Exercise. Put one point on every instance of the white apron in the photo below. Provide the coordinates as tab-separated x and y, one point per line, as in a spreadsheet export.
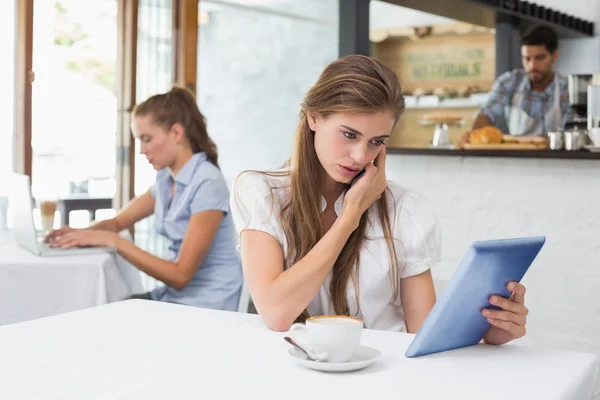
520	123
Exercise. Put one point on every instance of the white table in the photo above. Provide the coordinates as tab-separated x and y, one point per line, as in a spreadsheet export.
140	349
33	287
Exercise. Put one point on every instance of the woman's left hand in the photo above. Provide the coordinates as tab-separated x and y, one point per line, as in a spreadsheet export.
509	322
85	237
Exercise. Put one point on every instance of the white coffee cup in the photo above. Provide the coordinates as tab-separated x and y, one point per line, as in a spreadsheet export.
336	337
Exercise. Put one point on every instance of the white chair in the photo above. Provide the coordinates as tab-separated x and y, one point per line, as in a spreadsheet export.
244	302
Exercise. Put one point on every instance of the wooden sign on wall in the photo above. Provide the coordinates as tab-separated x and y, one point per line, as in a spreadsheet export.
445	61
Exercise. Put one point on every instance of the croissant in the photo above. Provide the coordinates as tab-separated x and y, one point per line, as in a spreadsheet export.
486	135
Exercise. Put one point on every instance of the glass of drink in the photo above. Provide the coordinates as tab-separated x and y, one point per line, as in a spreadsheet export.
47	208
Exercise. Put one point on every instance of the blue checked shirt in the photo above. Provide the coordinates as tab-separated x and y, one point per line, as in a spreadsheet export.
535	104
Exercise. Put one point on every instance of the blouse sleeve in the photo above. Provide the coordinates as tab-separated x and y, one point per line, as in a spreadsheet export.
253	205
418	235
211	194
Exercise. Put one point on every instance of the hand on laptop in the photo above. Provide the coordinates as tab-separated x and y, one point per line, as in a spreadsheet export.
509	323
56	233
85	237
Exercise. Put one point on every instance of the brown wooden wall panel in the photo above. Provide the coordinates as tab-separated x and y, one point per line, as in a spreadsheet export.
443	61
25	77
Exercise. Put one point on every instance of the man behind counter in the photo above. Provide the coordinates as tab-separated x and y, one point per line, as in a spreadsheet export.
532	101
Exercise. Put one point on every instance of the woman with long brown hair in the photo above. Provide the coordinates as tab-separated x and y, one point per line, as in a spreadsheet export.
317	238
190	201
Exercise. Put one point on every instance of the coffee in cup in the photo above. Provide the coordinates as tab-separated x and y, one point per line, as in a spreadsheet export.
47	211
336	336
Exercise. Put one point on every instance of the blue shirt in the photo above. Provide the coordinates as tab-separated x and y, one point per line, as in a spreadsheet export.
536	104
199	186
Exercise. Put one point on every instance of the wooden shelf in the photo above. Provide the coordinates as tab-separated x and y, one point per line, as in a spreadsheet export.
434	102
567	155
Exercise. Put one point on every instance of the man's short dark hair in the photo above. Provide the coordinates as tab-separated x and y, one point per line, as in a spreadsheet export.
540	35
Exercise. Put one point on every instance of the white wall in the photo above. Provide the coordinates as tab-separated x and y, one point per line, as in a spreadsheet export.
254	68
486	198
579	56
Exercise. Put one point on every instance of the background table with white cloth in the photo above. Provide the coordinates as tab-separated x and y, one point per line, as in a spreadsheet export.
139	349
34	287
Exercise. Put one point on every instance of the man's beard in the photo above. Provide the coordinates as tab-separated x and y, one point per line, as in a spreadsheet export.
539	76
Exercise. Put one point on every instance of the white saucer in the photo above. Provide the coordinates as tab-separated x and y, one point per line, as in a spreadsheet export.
362	357
592	148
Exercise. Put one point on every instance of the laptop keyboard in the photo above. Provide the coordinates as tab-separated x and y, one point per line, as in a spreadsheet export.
45	247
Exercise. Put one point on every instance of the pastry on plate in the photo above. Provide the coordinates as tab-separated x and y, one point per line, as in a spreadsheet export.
464	91
440	92
486	135
419	92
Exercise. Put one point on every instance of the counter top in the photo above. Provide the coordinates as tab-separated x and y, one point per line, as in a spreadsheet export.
570	155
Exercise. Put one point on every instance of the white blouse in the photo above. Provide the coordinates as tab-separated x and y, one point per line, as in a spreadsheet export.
255	202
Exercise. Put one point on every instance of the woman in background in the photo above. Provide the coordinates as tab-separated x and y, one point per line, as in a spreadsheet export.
190	201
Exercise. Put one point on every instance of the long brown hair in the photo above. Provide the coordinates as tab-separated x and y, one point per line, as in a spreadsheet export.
178	106
355	84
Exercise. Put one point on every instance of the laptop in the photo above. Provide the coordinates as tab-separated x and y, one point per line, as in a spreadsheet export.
21	204
455	320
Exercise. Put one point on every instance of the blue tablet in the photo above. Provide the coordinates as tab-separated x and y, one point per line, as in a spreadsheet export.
456	321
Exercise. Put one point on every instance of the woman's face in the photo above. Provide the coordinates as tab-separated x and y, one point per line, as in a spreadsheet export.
156	143
346	142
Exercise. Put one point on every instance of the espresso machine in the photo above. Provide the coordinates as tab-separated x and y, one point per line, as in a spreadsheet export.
593	108
578	101
593	126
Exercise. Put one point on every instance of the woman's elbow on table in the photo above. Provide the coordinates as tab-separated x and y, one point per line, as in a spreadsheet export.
276	318
277	325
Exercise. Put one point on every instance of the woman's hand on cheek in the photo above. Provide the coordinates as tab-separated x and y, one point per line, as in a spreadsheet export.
368	188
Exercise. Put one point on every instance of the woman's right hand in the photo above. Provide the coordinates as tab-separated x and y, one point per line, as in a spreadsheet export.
368	188
57	232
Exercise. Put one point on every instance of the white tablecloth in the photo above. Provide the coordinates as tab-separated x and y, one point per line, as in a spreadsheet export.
150	350
33	287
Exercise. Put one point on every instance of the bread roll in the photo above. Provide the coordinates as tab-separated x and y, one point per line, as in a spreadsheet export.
486	135
440	92
419	92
